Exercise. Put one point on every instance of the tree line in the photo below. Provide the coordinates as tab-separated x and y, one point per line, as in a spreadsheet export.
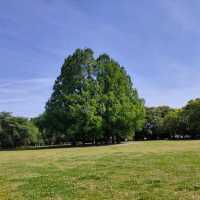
94	101
18	131
164	122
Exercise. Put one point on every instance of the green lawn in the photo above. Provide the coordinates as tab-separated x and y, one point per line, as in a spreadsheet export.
141	170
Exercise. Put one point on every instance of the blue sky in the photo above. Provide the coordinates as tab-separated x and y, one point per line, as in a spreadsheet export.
157	41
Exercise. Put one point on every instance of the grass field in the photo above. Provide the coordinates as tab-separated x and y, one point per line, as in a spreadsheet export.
141	170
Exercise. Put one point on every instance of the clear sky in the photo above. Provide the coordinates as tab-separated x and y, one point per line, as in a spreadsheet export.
157	41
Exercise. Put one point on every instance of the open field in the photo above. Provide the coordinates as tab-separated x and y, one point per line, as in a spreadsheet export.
141	170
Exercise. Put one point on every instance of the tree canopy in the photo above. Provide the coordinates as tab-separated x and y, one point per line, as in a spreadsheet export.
93	100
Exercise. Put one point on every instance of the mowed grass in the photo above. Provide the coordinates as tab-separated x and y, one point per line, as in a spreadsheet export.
139	171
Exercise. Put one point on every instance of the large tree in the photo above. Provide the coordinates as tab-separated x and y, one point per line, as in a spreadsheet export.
93	100
123	110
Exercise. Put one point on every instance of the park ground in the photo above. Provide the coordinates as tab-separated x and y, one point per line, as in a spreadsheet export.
168	170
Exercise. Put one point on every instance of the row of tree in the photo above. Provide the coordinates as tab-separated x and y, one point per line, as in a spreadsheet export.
94	101
17	131
160	122
167	123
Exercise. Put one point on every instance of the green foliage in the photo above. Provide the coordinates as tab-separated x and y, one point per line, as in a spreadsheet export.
17	131
154	123
92	100
168	123
191	114
174	124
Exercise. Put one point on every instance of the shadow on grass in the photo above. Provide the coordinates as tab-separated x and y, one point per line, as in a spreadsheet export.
25	148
